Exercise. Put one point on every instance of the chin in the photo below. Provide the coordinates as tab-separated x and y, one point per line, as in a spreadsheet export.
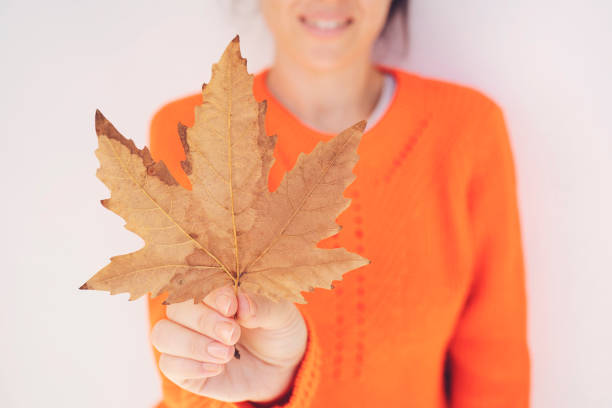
323	57
321	64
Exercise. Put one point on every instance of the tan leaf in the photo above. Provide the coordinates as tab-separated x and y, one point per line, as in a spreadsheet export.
229	228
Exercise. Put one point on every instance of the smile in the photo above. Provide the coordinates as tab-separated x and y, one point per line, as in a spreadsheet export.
325	26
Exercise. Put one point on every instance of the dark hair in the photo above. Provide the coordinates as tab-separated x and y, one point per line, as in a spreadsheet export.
397	9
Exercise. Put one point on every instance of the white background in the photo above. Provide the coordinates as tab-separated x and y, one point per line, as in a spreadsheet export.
547	63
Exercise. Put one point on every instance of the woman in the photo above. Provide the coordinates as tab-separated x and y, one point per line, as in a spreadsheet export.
438	318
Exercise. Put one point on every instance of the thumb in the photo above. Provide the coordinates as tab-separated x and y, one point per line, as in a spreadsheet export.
256	311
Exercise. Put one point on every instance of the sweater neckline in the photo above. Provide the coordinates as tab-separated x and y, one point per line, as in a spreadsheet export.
379	143
382	105
317	134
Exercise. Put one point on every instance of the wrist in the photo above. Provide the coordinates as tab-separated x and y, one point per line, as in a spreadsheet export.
286	381
282	374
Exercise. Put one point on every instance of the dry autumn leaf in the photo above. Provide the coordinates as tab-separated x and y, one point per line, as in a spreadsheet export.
229	228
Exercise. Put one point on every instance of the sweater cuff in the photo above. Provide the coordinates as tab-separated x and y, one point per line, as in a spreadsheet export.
307	375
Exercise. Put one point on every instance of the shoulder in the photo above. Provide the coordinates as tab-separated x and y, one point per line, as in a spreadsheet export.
182	108
446	100
458	112
176	110
462	122
164	140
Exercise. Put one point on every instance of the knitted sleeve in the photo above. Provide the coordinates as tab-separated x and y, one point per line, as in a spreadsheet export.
488	353
165	145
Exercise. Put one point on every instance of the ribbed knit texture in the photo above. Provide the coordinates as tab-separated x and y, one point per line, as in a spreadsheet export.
434	207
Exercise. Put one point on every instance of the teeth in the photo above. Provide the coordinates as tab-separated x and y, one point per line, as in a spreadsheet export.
325	24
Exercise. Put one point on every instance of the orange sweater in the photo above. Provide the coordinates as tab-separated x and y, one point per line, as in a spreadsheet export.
438	319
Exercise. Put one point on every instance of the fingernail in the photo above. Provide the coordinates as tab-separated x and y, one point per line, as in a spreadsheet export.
246	305
226	331
218	350
223	303
211	367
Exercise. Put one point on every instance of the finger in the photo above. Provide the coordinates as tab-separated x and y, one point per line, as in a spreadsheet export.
172	338
223	300
182	368
205	320
258	311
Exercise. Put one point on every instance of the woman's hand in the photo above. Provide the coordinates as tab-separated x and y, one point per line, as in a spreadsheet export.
197	345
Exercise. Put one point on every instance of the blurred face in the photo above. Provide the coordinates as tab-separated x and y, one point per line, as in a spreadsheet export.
323	34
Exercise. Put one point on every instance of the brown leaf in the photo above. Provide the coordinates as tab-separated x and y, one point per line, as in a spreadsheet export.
229	228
